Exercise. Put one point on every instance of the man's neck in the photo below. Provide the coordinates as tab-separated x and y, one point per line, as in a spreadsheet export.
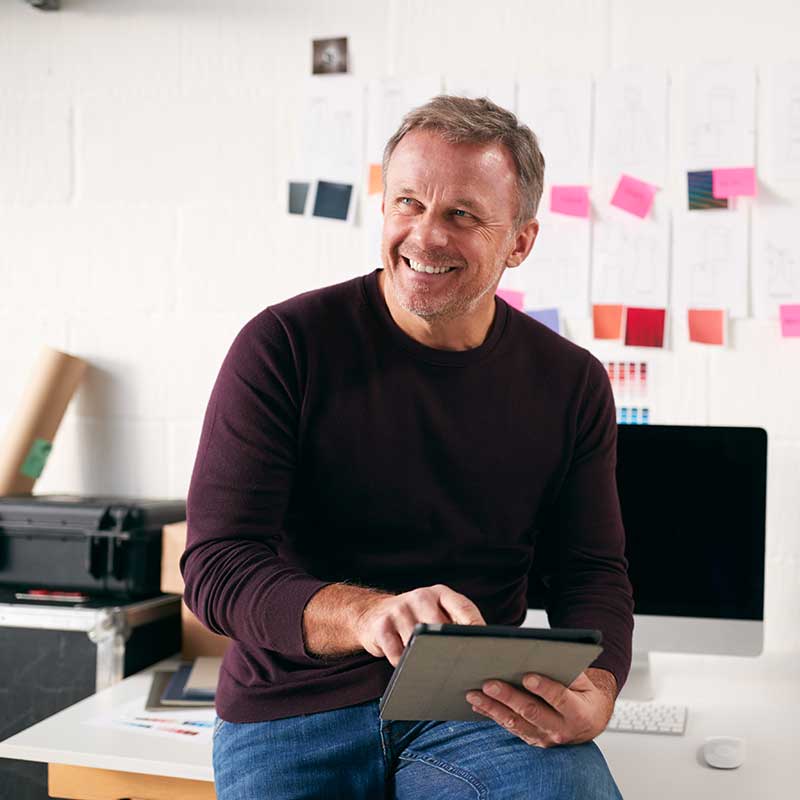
457	333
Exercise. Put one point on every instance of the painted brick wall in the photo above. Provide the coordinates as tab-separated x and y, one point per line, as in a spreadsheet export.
143	158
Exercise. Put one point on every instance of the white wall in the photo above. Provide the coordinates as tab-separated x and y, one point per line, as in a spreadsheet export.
143	160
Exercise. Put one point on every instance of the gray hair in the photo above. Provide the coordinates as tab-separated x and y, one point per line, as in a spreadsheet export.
461	120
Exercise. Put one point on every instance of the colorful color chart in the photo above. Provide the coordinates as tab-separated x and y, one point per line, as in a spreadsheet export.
701	195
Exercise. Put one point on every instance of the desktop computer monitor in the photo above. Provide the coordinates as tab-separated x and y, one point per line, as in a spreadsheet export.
693	503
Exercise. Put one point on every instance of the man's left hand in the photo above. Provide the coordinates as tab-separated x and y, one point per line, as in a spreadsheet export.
549	713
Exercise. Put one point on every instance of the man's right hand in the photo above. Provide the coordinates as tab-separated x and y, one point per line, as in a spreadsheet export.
385	625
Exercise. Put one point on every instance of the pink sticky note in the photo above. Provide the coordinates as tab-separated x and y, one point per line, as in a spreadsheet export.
634	196
570	200
735	182
790	320
512	297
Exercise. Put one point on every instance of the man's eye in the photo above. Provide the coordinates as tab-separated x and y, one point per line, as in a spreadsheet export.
459	212
405	201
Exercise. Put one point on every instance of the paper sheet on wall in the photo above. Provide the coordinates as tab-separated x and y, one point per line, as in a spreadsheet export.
720	116
373	229
782	125
499	90
776	260
332	133
559	112
710	261
630	263
631	125
556	273
388	100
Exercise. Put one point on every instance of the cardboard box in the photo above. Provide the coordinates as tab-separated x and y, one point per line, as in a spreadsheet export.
196	639
173	543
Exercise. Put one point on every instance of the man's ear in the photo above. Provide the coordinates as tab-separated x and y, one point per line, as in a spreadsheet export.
523	242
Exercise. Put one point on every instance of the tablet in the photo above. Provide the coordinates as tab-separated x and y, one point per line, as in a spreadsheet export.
441	663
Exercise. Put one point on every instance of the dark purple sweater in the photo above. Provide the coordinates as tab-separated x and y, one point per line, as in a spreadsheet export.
336	448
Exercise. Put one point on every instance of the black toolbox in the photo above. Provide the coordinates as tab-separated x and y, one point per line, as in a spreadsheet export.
54	653
96	545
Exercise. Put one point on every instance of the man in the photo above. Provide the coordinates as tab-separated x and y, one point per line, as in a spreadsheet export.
388	451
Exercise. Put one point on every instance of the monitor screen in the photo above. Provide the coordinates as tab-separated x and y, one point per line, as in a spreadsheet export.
693	503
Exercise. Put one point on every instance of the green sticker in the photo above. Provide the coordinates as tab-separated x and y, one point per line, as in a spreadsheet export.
36	459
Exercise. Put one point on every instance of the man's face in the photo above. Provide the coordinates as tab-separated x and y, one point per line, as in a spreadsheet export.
448	206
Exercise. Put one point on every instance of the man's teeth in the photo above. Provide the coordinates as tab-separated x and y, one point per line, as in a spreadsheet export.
417	267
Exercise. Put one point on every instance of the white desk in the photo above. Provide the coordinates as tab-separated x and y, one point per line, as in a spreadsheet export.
758	699
123	764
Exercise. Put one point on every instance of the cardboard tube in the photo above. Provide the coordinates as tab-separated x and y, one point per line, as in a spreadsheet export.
30	435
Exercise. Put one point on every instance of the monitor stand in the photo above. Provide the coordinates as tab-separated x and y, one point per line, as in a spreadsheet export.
639	685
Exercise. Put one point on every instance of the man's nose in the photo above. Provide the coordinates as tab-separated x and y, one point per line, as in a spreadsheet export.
429	232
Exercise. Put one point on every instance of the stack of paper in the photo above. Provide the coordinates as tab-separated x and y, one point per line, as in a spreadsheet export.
193	684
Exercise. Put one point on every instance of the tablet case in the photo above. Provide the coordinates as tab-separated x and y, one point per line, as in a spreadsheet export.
438	668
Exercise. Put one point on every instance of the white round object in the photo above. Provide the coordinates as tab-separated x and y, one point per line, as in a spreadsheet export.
724	752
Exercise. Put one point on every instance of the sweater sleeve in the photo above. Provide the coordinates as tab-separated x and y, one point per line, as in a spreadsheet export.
588	586
236	581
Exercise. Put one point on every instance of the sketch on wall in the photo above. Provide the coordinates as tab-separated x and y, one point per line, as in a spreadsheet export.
332	128
630	262
710	261
631	125
782	136
720	116
776	260
559	111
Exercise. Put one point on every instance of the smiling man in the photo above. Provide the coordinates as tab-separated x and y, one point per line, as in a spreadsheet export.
392	450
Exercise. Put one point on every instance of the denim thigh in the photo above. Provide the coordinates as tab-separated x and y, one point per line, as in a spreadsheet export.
455	760
331	754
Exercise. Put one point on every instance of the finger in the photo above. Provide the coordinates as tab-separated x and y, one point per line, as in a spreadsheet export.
508	719
392	646
526	705
552	692
461	609
389	641
427	609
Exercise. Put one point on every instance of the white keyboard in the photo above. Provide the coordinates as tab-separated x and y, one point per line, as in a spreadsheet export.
632	716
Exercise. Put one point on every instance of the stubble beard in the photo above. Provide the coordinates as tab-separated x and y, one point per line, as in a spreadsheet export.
451	305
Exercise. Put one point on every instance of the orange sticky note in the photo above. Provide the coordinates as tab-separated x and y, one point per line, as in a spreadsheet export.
707	325
735	182
375	180
514	298
644	327
790	320
634	196
608	321
570	200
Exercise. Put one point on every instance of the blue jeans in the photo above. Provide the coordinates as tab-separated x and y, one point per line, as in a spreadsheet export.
350	753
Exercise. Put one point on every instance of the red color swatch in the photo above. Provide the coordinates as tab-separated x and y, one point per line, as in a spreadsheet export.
707	326
645	327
